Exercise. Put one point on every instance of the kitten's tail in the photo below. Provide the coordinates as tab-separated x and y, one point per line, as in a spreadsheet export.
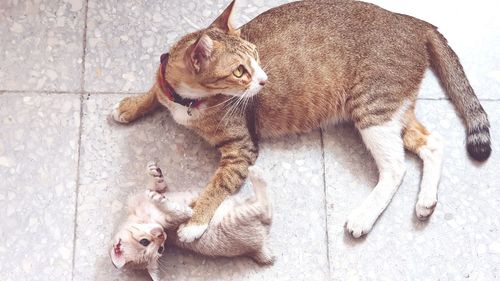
259	185
447	66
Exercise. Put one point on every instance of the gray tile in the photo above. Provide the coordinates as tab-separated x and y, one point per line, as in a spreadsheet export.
41	47
38	167
461	239
112	166
126	38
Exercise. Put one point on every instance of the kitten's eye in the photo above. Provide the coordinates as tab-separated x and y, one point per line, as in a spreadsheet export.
144	242
238	72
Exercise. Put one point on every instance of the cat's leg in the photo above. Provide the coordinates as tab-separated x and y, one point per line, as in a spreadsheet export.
259	186
177	211
385	143
264	256
131	108
238	152
429	147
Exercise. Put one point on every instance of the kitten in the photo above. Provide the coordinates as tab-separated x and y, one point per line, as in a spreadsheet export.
239	227
326	61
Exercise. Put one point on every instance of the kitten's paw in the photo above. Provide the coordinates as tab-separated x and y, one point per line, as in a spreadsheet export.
264	257
120	114
256	175
155	196
425	207
155	172
189	233
359	222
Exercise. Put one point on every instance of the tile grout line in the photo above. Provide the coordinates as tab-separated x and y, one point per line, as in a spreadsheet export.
82	93
325	201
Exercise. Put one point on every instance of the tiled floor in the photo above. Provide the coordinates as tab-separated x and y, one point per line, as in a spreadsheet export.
66	170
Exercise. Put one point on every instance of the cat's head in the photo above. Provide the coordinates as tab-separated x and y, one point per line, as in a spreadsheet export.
215	60
137	245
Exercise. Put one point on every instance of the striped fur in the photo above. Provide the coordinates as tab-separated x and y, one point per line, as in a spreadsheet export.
326	61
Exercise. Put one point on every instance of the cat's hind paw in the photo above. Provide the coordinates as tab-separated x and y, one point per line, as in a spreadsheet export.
359	222
189	233
156	174
155	196
257	175
425	207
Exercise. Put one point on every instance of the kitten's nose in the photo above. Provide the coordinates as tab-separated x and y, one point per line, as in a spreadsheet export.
262	82
157	232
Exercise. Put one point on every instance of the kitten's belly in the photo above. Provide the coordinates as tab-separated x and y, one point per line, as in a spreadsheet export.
224	208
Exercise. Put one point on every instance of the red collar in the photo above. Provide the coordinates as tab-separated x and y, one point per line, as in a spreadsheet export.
169	91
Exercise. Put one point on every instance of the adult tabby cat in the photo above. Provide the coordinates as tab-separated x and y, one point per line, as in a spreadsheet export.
326	61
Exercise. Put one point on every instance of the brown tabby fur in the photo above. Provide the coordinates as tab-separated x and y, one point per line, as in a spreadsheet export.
326	61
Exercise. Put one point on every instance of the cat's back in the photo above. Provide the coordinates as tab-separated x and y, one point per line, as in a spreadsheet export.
313	50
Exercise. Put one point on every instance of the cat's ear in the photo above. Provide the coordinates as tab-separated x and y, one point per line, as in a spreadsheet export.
224	22
117	255
201	51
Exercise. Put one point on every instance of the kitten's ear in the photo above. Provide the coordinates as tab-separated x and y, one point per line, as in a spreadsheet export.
201	52
224	22
117	255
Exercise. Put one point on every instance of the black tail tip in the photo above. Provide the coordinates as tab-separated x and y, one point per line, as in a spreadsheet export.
479	152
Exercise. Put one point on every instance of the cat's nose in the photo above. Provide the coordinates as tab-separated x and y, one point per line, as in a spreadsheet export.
157	232
262	82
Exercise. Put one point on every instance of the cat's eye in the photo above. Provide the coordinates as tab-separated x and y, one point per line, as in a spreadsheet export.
238	72
144	242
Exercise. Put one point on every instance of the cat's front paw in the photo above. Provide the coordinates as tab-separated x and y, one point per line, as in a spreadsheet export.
359	222
187	233
120	113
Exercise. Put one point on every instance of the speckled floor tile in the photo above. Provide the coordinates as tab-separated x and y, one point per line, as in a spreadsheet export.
38	168
461	240
112	166
41	46
125	40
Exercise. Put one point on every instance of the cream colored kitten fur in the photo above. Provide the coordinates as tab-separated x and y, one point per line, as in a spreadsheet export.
239	226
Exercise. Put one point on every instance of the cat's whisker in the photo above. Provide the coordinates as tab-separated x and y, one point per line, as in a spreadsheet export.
265	67
228	112
221	103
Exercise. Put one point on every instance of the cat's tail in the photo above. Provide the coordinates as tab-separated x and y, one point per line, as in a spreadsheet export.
447	66
259	185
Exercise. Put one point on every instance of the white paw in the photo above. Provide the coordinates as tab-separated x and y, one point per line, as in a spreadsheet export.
425	207
359	222
256	174
188	233
155	196
117	115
